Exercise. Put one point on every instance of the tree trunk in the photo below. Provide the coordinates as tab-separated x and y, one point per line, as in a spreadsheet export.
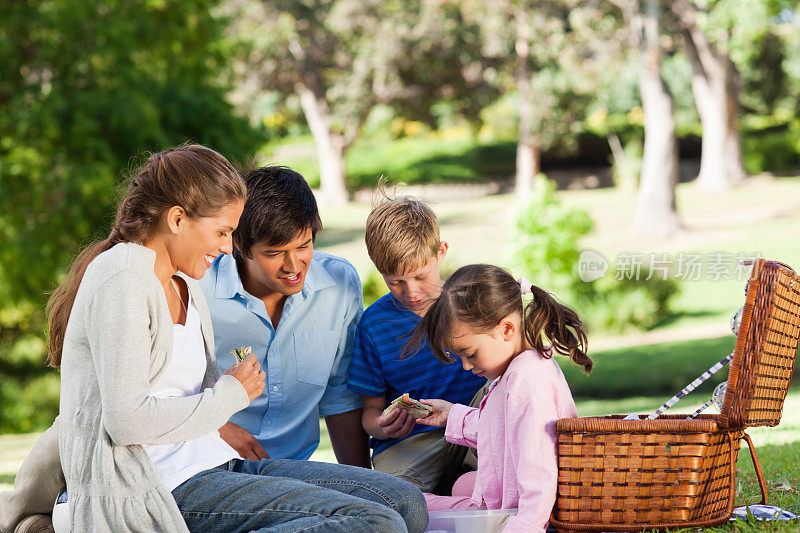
721	165
528	150
715	84
656	215
330	146
528	166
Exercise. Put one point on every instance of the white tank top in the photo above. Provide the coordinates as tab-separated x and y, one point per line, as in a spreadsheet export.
184	376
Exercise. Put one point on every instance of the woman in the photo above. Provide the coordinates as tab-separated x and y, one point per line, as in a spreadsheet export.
141	398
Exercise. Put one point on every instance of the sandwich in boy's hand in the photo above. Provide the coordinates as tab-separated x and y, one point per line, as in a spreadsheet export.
412	406
241	353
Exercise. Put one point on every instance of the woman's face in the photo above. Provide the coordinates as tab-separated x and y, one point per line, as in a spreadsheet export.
200	240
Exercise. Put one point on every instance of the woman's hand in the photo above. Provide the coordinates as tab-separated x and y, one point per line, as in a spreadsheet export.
243	442
396	424
250	375
441	410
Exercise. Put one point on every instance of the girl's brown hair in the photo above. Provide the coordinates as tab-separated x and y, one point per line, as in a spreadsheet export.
480	296
194	177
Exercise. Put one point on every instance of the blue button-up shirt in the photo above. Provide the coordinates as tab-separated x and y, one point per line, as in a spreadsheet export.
306	358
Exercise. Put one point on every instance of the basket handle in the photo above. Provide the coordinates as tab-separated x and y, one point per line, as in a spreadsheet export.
757	467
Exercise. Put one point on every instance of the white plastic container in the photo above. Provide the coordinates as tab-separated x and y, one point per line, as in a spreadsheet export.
468	521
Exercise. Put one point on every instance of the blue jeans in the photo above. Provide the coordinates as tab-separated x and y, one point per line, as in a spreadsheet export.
286	495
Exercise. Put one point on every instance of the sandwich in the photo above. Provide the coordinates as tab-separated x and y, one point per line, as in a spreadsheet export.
412	406
241	353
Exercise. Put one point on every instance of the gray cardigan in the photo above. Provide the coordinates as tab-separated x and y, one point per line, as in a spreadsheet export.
117	343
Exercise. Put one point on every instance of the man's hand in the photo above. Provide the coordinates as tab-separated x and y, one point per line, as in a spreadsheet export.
243	442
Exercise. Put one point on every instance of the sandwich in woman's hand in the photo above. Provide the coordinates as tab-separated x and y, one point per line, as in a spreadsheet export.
412	406
241	353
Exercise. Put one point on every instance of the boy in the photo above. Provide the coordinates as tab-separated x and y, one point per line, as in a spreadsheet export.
402	237
298	309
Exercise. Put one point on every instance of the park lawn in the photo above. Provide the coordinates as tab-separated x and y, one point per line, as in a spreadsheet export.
445	157
759	217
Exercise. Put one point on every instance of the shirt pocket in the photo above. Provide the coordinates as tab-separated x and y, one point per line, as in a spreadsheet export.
314	353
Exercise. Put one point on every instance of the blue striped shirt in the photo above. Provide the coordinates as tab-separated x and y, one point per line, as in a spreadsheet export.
376	368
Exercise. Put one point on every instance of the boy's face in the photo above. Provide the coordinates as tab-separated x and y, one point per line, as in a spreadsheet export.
279	269
416	288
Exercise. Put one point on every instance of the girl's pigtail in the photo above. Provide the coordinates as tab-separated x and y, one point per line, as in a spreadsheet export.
547	320
429	330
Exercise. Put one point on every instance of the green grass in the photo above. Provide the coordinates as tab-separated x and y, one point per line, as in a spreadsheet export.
663	368
411	160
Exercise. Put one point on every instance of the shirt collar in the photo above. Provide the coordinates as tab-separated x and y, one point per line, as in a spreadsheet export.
317	277
229	284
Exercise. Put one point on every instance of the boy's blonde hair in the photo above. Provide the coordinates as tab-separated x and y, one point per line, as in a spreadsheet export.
402	234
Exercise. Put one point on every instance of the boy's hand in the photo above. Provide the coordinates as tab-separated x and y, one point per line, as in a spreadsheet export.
396	424
441	410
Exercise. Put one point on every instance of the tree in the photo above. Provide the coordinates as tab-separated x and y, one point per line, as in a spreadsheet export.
656	214
85	88
713	32
341	58
532	51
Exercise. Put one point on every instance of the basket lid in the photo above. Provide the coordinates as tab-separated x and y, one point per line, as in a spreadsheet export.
766	348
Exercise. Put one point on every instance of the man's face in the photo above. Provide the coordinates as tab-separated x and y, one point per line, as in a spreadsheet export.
279	269
417	288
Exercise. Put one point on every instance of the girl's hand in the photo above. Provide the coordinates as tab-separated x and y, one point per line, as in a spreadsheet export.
441	410
396	424
250	375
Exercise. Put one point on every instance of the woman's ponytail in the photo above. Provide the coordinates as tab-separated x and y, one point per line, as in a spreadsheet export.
61	300
194	177
546	320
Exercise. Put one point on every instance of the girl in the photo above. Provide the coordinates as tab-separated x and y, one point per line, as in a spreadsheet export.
141	397
479	316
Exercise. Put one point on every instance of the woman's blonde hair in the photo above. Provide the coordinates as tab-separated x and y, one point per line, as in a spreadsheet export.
196	178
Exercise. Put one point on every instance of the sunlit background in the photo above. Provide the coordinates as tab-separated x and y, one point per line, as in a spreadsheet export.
625	155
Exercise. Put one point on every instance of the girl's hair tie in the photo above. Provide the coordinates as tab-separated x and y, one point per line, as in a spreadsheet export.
524	285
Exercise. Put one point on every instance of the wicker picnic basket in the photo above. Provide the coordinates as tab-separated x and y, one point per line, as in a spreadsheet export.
627	475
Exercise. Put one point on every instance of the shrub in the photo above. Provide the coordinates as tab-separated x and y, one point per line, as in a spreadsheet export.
618	306
546	234
373	287
546	249
772	151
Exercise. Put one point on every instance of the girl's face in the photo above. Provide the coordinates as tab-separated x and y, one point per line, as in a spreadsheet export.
488	353
200	240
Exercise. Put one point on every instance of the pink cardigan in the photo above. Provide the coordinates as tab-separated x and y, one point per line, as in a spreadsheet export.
514	432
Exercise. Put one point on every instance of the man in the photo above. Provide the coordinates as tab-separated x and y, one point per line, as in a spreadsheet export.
298	310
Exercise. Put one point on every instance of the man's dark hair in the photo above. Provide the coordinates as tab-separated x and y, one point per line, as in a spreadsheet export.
279	206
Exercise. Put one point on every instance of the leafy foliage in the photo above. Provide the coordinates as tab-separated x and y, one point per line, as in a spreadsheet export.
546	248
85	87
546	239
